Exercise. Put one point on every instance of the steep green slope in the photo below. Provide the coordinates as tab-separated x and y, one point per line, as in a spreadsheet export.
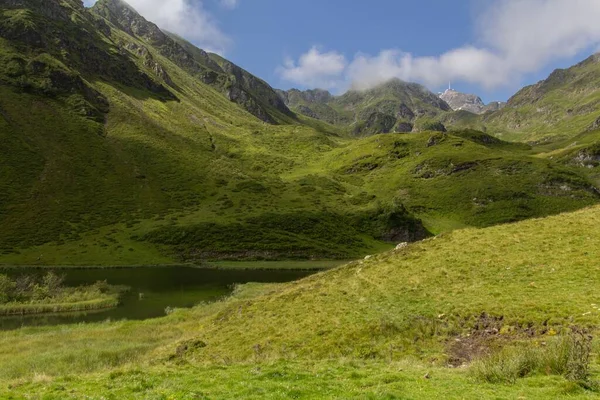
165	148
394	106
238	85
416	311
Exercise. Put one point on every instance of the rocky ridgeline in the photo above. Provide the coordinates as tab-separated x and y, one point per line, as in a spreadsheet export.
239	86
469	102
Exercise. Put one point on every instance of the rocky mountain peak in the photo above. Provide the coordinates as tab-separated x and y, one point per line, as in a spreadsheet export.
463	101
128	19
469	102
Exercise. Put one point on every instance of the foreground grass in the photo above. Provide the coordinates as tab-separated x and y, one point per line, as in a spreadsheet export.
523	283
292	380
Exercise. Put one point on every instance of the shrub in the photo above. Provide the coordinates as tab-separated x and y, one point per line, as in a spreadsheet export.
580	349
7	288
568	355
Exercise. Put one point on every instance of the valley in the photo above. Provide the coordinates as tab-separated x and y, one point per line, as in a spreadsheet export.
388	242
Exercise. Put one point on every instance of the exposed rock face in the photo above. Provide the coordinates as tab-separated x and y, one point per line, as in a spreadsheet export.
376	123
404	127
493	106
595	125
263	94
469	102
463	101
295	96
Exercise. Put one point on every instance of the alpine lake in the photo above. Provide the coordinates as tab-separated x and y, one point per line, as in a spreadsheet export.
155	290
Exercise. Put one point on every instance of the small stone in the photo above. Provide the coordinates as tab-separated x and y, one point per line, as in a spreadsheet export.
401	246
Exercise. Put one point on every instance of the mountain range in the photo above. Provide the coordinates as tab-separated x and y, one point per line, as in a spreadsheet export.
126	144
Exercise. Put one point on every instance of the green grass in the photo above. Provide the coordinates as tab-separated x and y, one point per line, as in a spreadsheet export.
182	173
520	284
46	308
296	380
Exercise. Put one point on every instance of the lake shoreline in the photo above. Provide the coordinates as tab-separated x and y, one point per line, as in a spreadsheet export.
12	310
209	265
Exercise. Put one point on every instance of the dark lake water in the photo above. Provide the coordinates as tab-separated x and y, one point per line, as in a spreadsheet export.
162	287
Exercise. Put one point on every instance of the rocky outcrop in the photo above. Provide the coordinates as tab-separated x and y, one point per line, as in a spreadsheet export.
294	97
493	106
377	122
469	102
462	101
243	81
404	127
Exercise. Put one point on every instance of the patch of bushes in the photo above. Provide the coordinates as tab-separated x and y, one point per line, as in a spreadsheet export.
295	235
291	235
568	355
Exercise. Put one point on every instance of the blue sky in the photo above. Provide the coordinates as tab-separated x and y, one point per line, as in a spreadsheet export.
487	47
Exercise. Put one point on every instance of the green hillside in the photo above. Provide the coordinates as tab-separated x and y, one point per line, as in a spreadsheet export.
126	145
392	326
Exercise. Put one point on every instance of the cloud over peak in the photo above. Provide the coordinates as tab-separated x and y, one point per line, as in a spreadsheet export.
515	37
315	68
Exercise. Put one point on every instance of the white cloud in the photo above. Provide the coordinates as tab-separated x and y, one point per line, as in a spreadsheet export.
315	68
515	37
230	4
185	18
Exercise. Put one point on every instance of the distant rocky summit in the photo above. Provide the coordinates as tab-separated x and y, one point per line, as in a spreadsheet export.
469	102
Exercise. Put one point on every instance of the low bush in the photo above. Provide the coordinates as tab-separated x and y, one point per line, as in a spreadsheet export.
568	355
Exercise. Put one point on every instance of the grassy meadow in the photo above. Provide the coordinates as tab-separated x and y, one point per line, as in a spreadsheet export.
472	313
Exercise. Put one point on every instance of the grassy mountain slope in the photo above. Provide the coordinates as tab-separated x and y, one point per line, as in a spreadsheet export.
165	149
457	179
119	151
395	317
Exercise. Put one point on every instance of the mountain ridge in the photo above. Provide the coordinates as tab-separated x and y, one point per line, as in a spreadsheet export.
393	106
235	83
